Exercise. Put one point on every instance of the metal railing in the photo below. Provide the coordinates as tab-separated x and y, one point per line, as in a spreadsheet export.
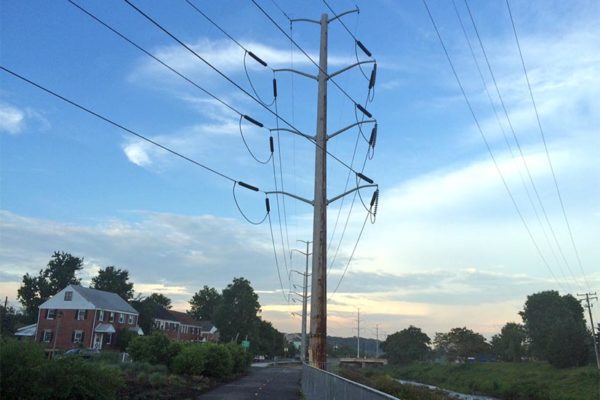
318	384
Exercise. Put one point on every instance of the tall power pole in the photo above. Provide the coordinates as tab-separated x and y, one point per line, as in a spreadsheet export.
358	334
588	297
305	276
377	341
318	303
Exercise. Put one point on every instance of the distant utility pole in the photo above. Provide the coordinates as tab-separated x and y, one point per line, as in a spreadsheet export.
588	305
358	334
305	275
377	341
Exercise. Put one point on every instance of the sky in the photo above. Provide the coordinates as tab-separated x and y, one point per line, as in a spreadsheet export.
461	235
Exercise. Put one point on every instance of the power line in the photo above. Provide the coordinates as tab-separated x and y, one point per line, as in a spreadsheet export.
487	145
344	92
505	136
537	115
525	164
154	22
287	299
118	125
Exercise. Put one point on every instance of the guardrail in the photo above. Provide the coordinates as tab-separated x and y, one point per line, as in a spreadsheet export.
318	384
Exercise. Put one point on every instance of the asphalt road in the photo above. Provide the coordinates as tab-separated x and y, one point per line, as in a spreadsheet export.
272	383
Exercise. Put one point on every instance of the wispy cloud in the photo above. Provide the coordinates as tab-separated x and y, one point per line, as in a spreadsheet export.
12	119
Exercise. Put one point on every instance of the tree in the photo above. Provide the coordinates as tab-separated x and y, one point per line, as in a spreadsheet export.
510	344
204	303
160	299
10	318
237	313
410	344
268	341
460	343
60	272
556	328
112	279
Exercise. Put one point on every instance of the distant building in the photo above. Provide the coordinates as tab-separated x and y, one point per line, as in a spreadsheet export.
82	317
183	327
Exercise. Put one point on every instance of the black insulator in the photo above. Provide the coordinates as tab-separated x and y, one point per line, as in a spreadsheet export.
271	144
248	186
274	87
268	205
362	110
375	196
373	137
364	178
255	122
373	77
363	48
251	54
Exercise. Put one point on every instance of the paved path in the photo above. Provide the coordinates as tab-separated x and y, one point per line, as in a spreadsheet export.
272	383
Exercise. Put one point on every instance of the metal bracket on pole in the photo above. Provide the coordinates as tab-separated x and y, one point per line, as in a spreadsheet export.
350	191
312	203
296	72
367	121
295	132
349	67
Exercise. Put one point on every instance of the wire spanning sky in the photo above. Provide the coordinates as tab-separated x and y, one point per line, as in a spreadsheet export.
448	248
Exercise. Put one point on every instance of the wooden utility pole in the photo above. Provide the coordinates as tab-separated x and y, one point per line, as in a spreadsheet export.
588	297
358	334
318	302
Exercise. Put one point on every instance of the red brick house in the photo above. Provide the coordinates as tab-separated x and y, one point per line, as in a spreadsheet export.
79	316
183	327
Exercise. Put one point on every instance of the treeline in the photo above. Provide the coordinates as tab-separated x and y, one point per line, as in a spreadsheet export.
553	330
235	310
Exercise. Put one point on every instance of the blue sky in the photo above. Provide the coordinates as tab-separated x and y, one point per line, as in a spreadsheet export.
448	248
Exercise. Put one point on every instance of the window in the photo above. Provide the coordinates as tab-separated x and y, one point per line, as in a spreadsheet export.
68	296
47	335
50	314
130	319
101	315
121	318
81	315
111	318
107	338
135	320
77	336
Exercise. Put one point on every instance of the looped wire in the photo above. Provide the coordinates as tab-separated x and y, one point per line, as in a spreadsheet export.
252	85
240	209
248	147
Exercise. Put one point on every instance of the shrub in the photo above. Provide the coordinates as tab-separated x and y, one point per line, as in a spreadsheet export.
241	358
155	349
218	361
157	379
190	360
21	364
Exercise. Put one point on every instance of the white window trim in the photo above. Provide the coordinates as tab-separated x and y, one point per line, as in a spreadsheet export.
68	294
109	340
46	331
80	334
101	315
48	314
82	314
121	318
111	317
130	319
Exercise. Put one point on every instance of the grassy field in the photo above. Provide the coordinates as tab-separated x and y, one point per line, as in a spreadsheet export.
507	381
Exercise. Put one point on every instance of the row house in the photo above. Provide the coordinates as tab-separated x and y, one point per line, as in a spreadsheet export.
83	317
183	327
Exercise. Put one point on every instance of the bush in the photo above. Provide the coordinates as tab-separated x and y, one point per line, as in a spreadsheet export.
218	362
155	349
191	360
241	358
21	364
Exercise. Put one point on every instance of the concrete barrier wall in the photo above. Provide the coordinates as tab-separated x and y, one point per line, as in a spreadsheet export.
322	385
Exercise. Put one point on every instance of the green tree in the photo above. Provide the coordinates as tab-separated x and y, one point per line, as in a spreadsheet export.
10	319
460	343
236	316
112	279
160	299
410	344
556	328
204	303
268	340
510	344
60	272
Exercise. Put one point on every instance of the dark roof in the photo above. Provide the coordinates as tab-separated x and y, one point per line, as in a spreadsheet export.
182	318
104	300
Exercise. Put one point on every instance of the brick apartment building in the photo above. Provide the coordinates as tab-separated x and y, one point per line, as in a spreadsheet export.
181	326
83	317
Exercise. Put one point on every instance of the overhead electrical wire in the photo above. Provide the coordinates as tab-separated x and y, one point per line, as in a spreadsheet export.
505	136
487	145
286	298
539	123
523	158
167	32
